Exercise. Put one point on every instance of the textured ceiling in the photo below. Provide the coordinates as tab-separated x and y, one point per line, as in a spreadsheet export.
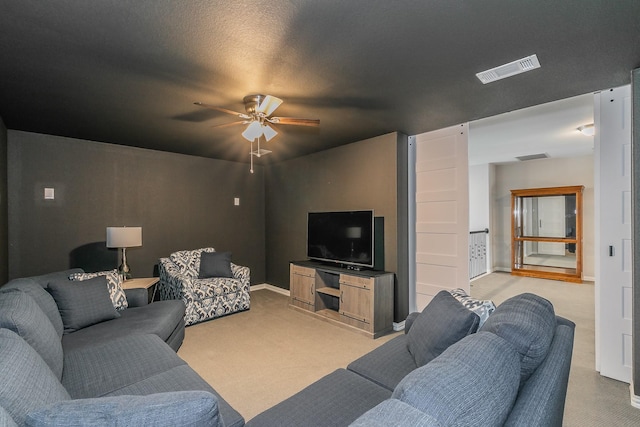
128	72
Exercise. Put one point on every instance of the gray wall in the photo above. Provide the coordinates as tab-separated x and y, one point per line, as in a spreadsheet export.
4	212
181	202
361	175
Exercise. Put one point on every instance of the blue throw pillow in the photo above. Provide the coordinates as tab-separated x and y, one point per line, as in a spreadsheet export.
180	408
528	322
443	321
472	383
84	303
215	264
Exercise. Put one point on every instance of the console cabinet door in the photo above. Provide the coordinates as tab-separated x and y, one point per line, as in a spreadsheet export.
356	299
302	286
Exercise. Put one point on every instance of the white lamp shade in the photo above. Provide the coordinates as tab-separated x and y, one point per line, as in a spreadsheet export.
124	237
268	132
253	131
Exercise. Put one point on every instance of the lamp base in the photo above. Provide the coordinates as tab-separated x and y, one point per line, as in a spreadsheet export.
123	269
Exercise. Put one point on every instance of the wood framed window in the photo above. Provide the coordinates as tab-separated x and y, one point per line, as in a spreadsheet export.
546	233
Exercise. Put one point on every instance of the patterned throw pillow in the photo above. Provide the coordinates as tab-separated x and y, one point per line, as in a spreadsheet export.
114	282
482	308
189	261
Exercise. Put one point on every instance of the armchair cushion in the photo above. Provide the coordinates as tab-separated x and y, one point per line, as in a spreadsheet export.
215	264
114	284
181	408
83	304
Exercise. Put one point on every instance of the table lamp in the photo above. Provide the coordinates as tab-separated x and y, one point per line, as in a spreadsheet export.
124	237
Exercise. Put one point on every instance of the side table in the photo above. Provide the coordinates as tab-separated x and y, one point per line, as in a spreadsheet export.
148	283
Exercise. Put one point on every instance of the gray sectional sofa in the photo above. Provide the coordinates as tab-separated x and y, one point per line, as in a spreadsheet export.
514	371
70	358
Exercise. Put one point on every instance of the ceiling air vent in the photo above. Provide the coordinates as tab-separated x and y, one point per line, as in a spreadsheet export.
533	157
511	69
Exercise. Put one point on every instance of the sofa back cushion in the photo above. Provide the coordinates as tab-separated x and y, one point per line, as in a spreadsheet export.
528	322
443	322
188	262
20	314
472	383
27	382
44	300
84	303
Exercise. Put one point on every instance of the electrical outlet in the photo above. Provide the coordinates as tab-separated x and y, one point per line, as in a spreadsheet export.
236	201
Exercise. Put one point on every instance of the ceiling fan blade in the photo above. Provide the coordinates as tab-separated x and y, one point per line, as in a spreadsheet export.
224	110
268	105
294	121
224	125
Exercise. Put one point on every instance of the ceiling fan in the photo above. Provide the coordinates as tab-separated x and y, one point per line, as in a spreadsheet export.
258	118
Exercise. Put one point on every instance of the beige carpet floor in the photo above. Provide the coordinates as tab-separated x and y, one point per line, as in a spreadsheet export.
258	358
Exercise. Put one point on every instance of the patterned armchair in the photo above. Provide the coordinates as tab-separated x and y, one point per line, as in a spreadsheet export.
205	298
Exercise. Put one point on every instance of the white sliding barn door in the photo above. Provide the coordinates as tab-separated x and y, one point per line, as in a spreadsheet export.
613	239
441	212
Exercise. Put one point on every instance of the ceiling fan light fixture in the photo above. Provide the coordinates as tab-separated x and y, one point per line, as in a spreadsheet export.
587	130
268	132
253	131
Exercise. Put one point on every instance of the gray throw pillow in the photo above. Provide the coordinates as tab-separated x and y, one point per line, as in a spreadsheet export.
114	284
84	303
215	264
472	383
27	382
180	408
443	321
528	322
22	315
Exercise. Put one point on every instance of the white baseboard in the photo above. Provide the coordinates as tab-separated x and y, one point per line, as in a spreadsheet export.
271	288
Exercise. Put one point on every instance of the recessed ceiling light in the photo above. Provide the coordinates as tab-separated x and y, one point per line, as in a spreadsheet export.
511	69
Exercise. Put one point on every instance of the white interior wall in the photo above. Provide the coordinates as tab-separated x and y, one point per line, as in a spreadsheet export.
479	201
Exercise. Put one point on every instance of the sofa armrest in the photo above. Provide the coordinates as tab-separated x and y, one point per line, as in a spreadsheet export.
182	408
138	297
409	321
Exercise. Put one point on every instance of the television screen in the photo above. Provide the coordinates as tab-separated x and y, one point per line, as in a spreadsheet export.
341	237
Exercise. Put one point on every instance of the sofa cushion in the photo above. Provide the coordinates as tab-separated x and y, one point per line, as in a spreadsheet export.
184	408
22	315
386	365
114	285
97	370
180	378
81	305
473	382
22	371
215	264
5	419
41	297
443	322
483	308
337	399
393	412
160	318
528	322
188	261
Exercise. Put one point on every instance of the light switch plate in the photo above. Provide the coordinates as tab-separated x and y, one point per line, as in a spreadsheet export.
236	201
49	194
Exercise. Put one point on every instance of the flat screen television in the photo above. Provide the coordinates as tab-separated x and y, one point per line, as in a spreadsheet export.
341	237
